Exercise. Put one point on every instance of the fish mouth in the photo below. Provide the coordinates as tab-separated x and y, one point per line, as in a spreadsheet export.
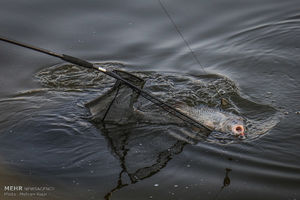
239	130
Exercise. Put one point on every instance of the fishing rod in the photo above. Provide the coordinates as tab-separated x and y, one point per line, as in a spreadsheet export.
86	64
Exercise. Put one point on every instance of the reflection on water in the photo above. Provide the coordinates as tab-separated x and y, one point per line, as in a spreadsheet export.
226	182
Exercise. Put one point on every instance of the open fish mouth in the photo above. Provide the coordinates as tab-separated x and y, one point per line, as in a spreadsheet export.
238	130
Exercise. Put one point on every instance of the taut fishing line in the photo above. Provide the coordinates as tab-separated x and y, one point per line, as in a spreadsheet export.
180	34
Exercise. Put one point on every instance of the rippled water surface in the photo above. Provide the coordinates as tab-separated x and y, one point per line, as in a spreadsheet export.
249	57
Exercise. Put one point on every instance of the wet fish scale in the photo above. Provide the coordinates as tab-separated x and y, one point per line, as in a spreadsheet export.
216	119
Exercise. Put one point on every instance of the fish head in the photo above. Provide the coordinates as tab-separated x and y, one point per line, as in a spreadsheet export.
236	127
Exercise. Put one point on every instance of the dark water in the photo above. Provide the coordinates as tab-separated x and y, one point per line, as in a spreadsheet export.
249	51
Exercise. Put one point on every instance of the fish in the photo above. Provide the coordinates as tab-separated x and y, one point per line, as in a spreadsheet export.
216	119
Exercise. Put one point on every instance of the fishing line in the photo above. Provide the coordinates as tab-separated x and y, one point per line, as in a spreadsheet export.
180	34
175	112
184	40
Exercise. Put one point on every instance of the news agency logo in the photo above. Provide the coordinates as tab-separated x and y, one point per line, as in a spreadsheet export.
12	188
27	191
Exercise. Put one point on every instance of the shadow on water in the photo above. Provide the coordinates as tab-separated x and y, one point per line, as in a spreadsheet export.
54	123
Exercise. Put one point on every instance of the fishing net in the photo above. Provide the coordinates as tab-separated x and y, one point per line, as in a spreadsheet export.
117	104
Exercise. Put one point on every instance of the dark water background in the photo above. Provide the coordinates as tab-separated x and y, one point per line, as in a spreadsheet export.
45	140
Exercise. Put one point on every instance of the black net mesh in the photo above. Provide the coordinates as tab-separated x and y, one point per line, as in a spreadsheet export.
116	105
